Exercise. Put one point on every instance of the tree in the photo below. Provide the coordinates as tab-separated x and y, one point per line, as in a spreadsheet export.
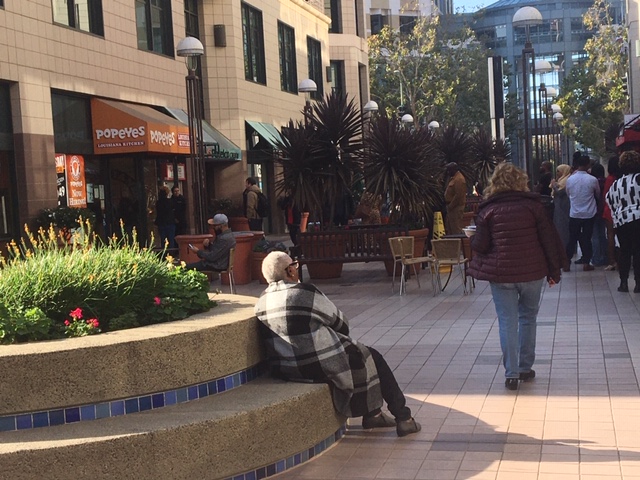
593	99
441	74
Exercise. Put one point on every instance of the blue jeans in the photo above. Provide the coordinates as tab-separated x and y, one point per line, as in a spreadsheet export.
599	243
517	307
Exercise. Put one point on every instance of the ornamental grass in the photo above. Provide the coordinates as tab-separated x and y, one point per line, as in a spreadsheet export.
115	284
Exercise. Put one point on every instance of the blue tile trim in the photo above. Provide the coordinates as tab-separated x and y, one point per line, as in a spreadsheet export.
280	466
127	406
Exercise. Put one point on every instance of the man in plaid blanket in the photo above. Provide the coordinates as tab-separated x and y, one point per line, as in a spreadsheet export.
307	340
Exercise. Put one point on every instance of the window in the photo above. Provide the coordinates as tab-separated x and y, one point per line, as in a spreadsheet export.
332	10
253	44
287	46
337	76
191	18
315	66
85	15
377	22
154	26
407	24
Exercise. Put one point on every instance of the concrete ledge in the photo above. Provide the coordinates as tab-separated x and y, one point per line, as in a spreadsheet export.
216	437
126	363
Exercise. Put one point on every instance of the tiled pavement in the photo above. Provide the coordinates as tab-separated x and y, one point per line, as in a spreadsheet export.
579	419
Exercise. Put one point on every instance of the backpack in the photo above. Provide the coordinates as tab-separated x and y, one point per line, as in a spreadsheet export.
263	208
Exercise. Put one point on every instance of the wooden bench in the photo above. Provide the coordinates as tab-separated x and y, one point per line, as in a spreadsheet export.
352	244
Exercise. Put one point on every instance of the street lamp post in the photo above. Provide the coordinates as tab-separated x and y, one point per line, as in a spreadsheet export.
526	17
406	119
307	86
557	118
191	48
370	108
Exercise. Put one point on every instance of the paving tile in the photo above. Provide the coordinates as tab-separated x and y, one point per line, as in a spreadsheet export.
577	420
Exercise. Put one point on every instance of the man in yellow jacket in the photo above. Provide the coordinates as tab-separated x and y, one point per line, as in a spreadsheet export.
456	197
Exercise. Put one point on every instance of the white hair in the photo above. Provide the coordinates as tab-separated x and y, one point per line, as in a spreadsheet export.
274	266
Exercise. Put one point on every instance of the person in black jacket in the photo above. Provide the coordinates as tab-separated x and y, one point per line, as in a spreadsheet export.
165	219
516	246
179	210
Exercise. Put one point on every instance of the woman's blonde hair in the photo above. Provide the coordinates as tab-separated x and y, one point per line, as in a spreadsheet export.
562	173
507	178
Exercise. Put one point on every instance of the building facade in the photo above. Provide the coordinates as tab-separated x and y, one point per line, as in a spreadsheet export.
400	14
92	98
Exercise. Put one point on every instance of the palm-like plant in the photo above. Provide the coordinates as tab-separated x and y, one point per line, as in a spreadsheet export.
321	159
400	166
454	145
486	153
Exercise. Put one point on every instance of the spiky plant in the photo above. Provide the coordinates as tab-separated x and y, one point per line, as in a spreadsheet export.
400	166
486	153
321	160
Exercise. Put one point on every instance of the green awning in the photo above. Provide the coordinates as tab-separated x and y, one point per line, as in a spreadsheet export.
266	131
217	147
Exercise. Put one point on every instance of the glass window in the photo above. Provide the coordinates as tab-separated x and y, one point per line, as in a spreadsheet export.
85	15
287	46
154	26
406	24
332	10
314	53
71	124
337	76
377	22
191	18
253	44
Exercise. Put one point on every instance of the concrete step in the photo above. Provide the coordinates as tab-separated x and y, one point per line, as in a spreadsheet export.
262	424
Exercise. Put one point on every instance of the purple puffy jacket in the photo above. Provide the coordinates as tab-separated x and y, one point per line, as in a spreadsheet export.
515	241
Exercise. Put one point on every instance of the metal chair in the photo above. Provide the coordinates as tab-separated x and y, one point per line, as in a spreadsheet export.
448	252
229	270
402	251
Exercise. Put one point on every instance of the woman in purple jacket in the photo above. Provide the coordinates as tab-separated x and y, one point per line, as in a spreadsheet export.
515	248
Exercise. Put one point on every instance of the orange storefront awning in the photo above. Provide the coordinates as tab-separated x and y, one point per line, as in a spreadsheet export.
120	127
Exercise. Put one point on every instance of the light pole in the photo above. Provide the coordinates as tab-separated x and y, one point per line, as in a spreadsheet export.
526	17
406	119
307	86
557	118
370	108
191	48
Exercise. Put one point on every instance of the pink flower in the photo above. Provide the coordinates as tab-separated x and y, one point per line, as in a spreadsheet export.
157	300
94	322
77	313
67	323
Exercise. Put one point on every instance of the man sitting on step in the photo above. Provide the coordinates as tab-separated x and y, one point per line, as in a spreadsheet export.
307	340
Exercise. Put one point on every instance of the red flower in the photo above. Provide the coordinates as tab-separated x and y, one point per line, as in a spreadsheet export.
94	322
67	323
157	300
77	313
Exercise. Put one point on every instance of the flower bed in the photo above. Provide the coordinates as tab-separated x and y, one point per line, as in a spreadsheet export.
89	286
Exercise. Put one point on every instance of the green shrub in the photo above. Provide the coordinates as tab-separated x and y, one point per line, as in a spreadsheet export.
119	283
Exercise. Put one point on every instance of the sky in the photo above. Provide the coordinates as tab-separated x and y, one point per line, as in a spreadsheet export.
470	5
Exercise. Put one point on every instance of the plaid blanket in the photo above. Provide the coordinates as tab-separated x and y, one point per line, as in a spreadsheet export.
307	339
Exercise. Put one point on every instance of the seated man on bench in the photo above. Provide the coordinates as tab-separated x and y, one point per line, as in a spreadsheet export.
215	256
307	340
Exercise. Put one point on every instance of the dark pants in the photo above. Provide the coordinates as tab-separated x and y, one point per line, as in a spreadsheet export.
391	392
255	224
167	235
201	266
629	238
293	232
580	230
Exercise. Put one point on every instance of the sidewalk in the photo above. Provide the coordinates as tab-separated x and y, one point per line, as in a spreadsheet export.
579	419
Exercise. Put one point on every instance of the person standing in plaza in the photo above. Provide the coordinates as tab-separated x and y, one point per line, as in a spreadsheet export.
179	210
306	338
292	217
613	170
455	197
515	247
599	237
165	218
250	202
584	192
624	201
561	204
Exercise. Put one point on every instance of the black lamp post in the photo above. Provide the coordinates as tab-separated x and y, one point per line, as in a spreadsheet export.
526	17
307	86
191	48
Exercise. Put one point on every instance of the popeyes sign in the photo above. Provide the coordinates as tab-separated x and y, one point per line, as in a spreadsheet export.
72	188
126	128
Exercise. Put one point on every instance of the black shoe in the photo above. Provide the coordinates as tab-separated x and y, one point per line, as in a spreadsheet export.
526	376
636	289
624	286
379	421
580	261
407	427
587	267
511	383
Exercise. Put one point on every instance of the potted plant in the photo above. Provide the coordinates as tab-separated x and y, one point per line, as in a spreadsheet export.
320	161
401	168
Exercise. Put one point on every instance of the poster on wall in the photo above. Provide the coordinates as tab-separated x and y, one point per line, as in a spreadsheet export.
72	189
